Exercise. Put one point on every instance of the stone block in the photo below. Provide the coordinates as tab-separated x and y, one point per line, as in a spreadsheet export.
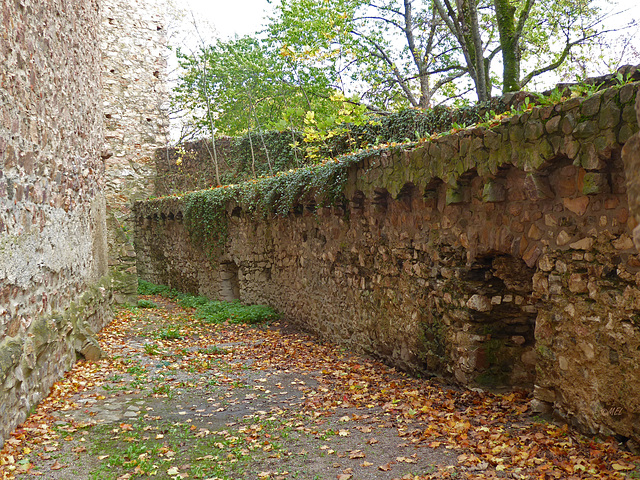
591	105
531	254
541	408
583	244
534	232
627	93
624	242
563	238
578	283
571	148
589	159
595	183
479	303
456	195
492	140
533	130
585	129
568	123
626	132
537	187
576	205
544	394
553	124
609	116
493	191
570	104
629	115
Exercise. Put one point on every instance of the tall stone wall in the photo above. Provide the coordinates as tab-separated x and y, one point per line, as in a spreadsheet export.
135	98
52	209
631	157
496	256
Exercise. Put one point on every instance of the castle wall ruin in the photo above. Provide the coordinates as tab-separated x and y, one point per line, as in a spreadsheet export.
498	256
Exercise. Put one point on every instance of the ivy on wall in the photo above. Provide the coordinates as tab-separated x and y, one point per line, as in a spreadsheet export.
207	212
188	167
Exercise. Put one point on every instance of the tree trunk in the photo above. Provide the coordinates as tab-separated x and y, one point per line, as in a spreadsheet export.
510	45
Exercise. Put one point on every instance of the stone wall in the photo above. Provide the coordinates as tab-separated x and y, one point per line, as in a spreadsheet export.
135	97
631	158
52	210
497	257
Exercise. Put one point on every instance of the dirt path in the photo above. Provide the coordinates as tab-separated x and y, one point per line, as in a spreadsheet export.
178	398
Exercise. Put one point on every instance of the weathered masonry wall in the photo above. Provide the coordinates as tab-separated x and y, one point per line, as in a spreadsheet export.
135	96
497	256
52	208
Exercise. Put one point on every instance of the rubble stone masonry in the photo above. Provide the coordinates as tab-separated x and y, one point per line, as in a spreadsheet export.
135	96
499	256
52	210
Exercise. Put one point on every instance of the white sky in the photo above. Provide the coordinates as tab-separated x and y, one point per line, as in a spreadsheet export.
244	17
230	17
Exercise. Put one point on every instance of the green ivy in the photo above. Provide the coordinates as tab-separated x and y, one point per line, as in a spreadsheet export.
207	213
190	166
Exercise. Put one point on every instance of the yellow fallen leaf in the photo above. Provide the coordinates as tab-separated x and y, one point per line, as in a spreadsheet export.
173	471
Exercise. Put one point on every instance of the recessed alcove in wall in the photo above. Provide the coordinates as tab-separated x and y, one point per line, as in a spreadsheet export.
357	202
380	201
229	283
405	195
501	322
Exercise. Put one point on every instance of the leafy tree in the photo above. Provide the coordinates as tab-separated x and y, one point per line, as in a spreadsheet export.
538	33
403	52
392	52
249	87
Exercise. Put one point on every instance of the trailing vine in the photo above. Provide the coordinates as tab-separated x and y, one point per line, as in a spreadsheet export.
206	212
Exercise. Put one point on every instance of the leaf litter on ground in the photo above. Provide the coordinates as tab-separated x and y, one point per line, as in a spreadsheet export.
230	400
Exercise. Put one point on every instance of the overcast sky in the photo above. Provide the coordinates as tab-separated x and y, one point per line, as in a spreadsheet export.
247	16
231	17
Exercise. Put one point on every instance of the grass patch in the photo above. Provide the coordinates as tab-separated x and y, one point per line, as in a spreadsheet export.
147	304
170	333
212	311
